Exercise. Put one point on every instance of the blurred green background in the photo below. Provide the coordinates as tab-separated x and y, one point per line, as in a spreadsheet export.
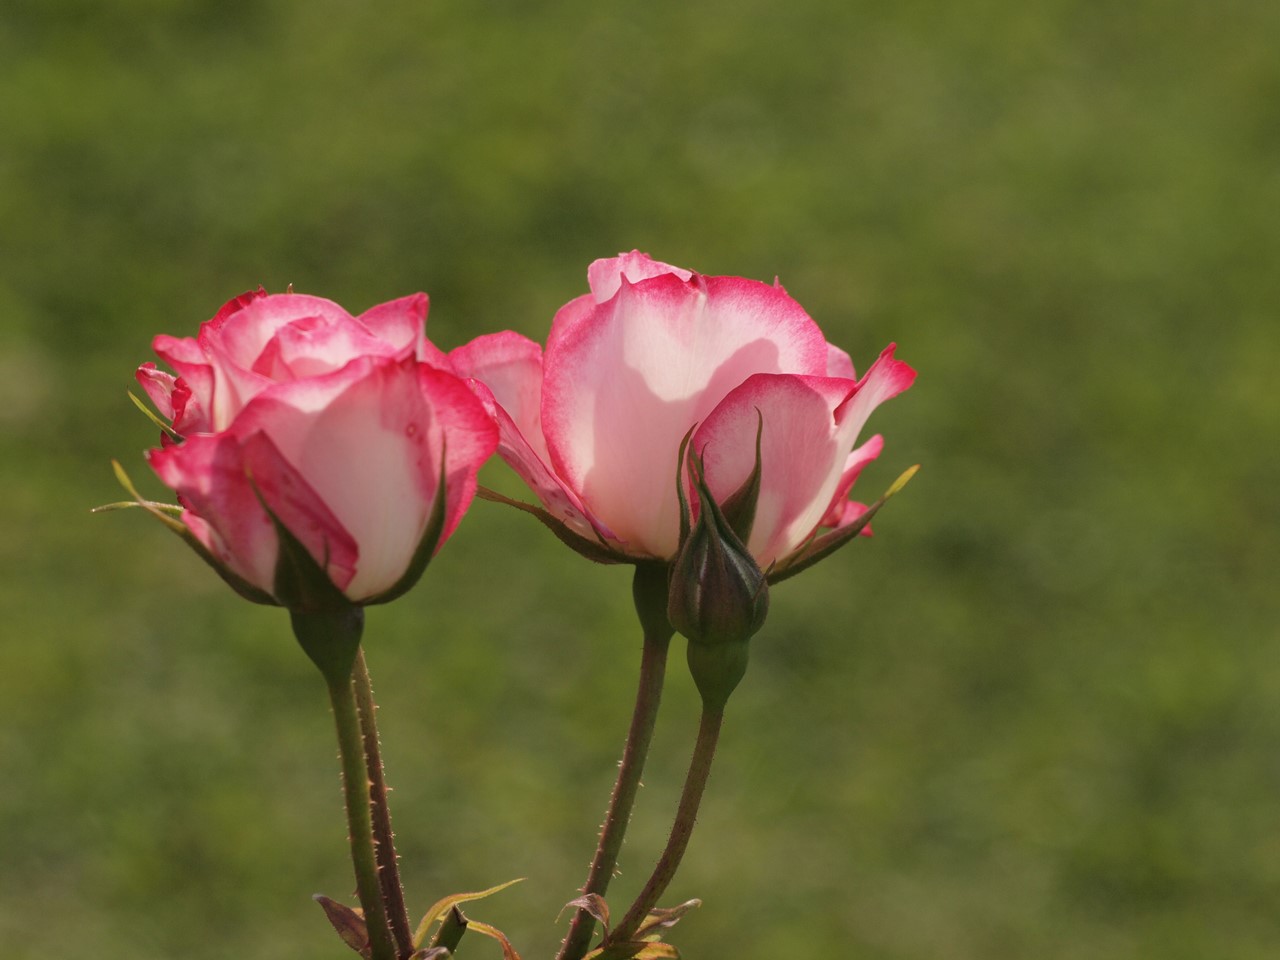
1038	715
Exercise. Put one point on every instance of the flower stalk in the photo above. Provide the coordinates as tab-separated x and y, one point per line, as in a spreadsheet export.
681	830
649	589
380	813
355	780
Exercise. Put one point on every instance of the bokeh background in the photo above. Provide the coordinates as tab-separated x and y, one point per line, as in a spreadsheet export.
1038	715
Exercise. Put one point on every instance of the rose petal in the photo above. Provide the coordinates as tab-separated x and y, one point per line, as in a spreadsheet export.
885	380
802	451
467	434
401	323
624	384
314	346
837	514
159	387
507	368
383	494
839	363
208	472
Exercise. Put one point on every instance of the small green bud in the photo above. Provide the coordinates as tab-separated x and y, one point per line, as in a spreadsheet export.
719	598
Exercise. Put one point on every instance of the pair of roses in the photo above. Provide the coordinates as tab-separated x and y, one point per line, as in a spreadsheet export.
700	428
361	439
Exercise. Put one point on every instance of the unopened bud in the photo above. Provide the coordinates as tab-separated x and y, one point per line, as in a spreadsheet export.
718	600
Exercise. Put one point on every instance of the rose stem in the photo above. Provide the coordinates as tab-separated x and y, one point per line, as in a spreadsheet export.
704	752
649	589
355	781
383	837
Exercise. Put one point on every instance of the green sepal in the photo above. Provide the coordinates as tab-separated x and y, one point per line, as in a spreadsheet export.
739	508
331	638
686	514
328	625
664	918
301	583
164	513
822	547
150	414
592	550
426	547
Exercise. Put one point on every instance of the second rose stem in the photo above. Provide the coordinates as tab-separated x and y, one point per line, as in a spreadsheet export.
704	752
380	812
649	590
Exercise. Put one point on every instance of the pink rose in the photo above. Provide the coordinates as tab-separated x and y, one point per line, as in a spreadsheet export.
344	427
594	424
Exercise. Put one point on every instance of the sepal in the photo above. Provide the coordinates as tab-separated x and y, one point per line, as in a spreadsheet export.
819	548
151	415
592	550
168	514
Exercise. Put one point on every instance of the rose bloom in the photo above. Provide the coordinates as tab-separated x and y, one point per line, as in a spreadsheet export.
342	426
594	424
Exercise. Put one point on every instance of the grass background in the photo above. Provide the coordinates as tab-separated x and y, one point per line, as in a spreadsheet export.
1037	716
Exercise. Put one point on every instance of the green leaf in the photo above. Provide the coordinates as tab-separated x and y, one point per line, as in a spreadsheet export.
663	918
445	904
508	951
635	950
595	905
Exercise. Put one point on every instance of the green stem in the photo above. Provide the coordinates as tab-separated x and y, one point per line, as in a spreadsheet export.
380	813
355	780
649	589
704	752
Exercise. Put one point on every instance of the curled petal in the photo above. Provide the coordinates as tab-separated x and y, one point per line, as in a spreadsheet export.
885	380
242	334
191	410
159	387
604	277
401	323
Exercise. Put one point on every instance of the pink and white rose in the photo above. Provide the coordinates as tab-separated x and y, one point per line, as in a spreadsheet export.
342	426
594	424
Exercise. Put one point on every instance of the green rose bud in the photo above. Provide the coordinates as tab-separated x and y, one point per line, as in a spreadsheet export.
718	599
